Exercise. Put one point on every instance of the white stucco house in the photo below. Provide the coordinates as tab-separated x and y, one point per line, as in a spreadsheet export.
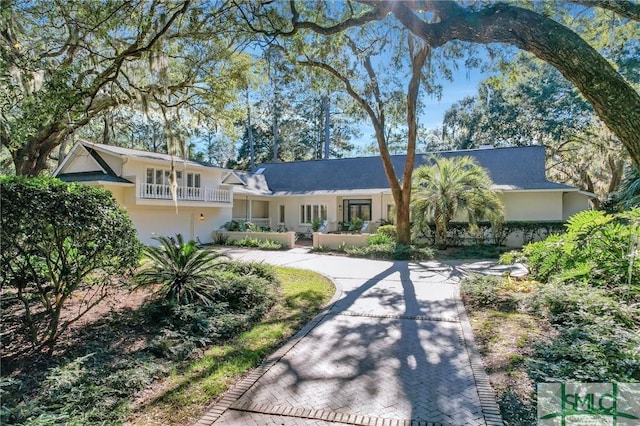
290	195
139	181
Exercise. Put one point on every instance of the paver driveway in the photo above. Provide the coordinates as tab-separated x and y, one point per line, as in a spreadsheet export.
394	348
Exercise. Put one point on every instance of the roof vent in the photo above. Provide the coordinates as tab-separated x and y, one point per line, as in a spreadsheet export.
260	171
487	146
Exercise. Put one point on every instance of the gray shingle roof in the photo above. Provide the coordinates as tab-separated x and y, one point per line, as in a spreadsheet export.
92	177
136	153
513	168
254	183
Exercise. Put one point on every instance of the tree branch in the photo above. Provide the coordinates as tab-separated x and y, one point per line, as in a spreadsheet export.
625	8
613	99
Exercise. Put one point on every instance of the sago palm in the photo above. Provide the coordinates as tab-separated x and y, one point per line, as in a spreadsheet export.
449	188
182	270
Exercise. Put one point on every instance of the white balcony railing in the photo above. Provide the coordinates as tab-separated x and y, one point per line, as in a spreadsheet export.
184	193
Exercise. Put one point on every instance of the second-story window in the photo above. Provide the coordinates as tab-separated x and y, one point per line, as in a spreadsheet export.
193	180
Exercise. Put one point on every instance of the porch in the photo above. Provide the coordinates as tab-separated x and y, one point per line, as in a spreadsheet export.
186	193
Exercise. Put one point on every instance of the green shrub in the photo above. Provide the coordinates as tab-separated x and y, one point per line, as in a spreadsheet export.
270	245
255	243
570	302
390	251
405	252
379	239
388	230
599	352
597	248
242	226
258	269
58	238
186	329
181	268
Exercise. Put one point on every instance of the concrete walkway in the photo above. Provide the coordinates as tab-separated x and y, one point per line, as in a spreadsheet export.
394	348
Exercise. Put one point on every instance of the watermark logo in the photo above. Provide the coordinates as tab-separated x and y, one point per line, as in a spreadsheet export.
592	404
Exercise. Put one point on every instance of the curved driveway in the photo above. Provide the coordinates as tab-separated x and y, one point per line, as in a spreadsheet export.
394	347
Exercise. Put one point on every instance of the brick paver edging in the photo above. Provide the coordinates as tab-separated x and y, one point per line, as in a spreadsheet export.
216	410
490	408
331	416
395	316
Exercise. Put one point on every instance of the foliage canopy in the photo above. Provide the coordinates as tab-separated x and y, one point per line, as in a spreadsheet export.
59	239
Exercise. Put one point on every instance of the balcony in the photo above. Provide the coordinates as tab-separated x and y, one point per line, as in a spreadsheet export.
208	195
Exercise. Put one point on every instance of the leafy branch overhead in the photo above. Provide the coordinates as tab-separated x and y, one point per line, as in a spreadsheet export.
63	64
439	23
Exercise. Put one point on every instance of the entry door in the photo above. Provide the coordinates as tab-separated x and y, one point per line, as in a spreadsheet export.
357	208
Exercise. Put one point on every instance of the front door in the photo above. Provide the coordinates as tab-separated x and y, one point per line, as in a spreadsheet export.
357	209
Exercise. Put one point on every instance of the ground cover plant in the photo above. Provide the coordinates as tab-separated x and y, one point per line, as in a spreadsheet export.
146	358
576	319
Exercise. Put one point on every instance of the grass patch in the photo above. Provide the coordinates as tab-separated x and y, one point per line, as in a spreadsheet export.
199	383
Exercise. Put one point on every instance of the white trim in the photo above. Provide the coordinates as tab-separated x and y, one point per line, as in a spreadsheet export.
103	183
72	153
146	155
235	175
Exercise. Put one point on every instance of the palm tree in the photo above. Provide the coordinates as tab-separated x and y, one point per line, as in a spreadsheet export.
449	188
182	269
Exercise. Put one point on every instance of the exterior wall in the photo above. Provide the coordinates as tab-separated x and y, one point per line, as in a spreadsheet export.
333	241
82	161
292	211
532	206
114	162
240	207
574	202
118	193
150	220
135	169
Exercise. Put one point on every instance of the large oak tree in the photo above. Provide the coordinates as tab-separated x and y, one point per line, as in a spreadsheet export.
65	63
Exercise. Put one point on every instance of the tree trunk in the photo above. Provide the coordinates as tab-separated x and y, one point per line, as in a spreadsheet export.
441	236
403	224
613	99
30	159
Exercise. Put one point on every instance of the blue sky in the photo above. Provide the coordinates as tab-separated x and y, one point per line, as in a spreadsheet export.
465	83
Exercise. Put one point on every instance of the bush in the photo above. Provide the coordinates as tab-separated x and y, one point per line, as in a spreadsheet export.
57	239
255	243
241	226
260	270
388	230
597	248
181	268
391	251
600	352
564	303
379	239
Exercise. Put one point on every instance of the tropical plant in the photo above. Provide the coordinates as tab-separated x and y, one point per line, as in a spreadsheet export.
57	240
449	188
598	248
316	224
378	239
355	225
628	194
182	269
